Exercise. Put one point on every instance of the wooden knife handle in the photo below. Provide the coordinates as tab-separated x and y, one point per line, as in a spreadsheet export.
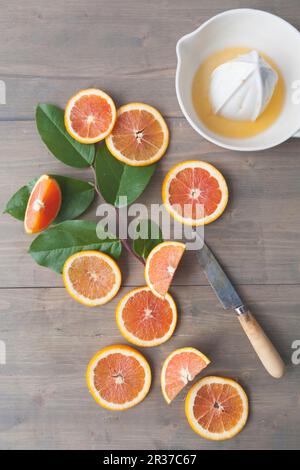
263	347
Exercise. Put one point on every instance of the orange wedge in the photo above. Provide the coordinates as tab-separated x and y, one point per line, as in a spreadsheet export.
161	265
195	193
90	116
217	408
91	277
118	377
180	367
140	136
43	205
144	319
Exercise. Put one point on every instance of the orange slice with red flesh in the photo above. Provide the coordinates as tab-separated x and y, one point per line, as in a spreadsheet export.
91	277
181	367
43	204
90	116
161	265
144	319
195	193
217	408
140	136
118	377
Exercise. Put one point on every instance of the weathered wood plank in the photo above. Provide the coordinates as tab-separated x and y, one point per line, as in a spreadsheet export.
50	338
75	38
154	87
47	54
256	239
48	50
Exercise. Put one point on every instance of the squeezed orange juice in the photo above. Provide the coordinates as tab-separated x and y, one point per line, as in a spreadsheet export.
219	124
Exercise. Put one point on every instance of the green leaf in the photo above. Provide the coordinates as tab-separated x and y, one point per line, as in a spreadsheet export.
51	127
148	235
52	247
115	179
77	196
17	204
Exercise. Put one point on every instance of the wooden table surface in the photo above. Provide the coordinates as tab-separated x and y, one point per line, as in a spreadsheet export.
48	51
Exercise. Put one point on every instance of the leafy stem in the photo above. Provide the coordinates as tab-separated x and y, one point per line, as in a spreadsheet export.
112	181
95	181
127	245
124	242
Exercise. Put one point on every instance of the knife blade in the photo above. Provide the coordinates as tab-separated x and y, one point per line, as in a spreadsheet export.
218	280
230	299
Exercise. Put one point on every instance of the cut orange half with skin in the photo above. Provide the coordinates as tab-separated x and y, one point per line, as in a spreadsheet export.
195	193
90	116
181	367
161	265
43	204
140	136
144	319
91	277
217	408
118	377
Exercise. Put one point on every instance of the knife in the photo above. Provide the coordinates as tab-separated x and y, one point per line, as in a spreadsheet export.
230	299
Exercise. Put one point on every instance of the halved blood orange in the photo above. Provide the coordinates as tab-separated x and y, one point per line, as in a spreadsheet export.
161	265
180	367
91	277
217	408
140	136
43	204
144	319
90	116
118	377
195	193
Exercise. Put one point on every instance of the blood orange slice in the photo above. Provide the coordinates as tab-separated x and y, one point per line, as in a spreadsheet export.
195	193
140	136
180	367
90	116
118	377
43	204
91	277
161	265
217	408
144	319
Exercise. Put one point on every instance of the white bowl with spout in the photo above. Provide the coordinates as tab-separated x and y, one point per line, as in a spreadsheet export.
254	29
